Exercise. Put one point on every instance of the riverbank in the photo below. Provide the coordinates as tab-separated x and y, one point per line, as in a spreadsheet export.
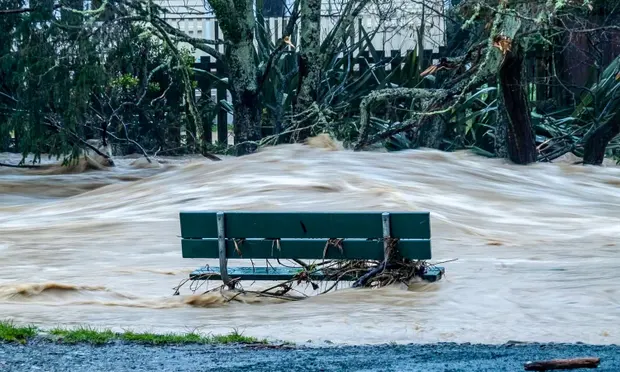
26	348
119	356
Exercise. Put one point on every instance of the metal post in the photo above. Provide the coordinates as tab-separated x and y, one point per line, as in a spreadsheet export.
221	237
385	217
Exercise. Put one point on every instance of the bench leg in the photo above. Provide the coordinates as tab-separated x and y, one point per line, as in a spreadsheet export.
221	236
387	233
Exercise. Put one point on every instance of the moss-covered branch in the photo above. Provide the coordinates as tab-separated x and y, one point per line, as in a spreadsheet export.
385	95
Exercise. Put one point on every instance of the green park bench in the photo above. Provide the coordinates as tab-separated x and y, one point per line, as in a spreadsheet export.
298	236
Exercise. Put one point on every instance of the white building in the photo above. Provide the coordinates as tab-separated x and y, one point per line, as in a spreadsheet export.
395	23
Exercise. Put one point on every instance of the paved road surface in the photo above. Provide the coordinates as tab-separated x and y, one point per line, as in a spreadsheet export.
46	356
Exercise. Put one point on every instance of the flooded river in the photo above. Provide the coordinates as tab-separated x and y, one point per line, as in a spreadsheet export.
537	247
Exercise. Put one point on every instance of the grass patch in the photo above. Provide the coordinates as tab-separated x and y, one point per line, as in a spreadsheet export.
236	338
155	339
12	333
83	334
189	338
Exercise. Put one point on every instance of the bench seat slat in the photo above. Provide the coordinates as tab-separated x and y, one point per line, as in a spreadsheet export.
247	224
284	273
353	249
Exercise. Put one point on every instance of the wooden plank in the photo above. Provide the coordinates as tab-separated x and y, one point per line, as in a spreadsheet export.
404	225
547	365
198	225
284	273
352	249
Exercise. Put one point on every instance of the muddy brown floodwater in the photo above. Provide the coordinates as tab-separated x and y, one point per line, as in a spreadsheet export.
538	247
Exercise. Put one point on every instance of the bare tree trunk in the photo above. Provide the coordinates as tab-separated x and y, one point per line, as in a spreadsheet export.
596	143
520	137
246	113
310	59
237	21
247	121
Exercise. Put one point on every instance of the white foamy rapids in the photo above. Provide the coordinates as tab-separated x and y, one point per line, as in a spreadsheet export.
536	245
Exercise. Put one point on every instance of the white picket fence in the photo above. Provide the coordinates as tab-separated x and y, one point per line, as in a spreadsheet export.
395	29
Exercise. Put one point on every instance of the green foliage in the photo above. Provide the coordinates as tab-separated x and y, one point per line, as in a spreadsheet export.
597	107
472	123
61	85
602	101
12	333
341	91
154	87
125	81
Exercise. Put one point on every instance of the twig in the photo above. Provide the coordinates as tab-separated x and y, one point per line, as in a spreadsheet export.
339	279
76	137
19	165
301	263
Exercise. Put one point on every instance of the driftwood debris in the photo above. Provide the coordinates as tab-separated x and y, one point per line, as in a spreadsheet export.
19	165
547	365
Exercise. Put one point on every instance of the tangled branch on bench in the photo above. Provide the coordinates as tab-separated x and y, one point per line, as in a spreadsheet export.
331	273
373	250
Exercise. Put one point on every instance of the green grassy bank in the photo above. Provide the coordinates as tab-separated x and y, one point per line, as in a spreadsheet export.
9	332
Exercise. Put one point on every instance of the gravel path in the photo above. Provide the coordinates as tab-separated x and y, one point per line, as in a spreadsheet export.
47	356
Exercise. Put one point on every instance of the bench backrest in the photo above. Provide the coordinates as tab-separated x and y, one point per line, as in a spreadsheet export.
304	235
